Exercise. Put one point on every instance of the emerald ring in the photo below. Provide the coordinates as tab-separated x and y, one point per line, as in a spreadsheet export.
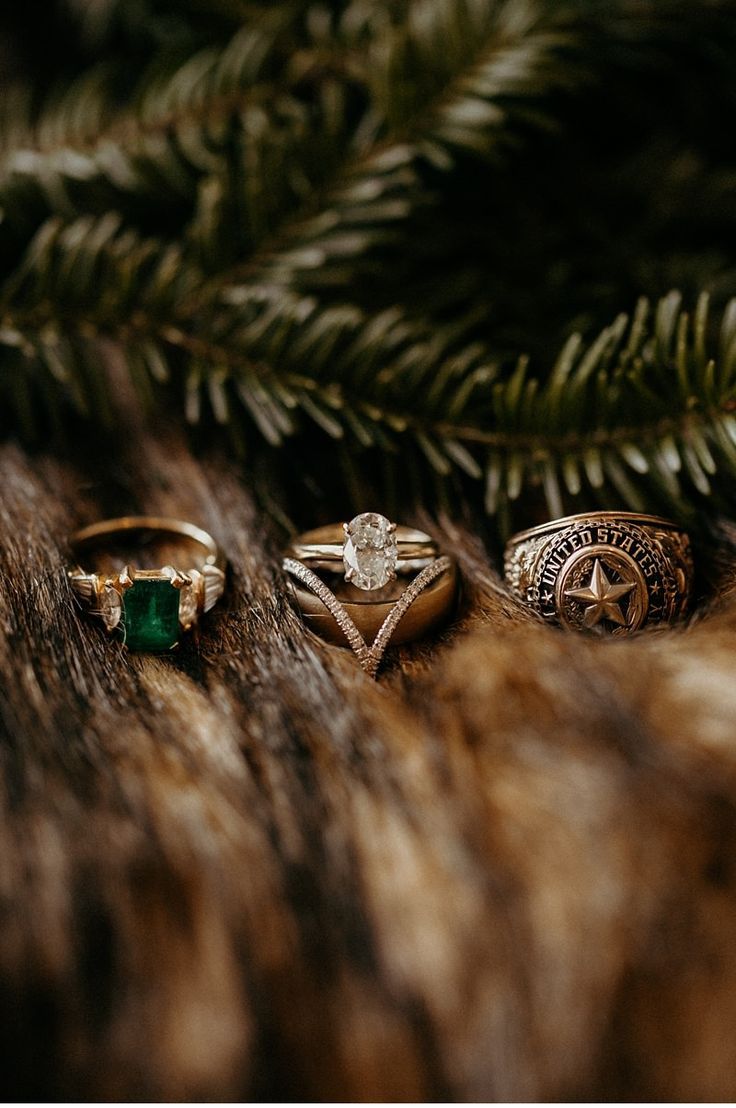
148	609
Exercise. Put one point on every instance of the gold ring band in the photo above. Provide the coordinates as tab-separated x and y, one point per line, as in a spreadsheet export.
368	615
107	529
366	607
148	608
608	571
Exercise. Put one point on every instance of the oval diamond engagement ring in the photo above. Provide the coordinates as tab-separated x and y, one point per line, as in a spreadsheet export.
366	605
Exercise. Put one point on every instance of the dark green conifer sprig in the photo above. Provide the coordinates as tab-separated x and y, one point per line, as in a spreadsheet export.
241	220
646	411
83	154
309	153
647	408
494	82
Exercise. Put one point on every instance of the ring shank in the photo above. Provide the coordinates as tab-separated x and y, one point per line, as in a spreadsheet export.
554	526
98	533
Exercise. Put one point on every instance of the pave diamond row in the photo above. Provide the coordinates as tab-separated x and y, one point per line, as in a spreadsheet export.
309	578
400	608
369	657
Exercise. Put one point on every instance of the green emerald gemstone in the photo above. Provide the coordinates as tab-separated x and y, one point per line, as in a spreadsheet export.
150	617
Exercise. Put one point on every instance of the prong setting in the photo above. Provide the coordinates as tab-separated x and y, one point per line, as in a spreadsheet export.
126	577
191	599
177	578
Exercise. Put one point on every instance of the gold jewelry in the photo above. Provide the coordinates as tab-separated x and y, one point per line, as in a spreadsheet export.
148	608
348	545
369	604
607	571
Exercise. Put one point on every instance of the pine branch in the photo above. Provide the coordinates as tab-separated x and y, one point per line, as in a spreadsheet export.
646	408
228	125
647	411
82	151
246	146
276	204
498	79
452	82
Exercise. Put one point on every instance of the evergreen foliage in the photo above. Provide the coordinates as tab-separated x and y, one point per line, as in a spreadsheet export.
404	226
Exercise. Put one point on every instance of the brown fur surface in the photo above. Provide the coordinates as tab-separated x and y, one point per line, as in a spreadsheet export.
505	871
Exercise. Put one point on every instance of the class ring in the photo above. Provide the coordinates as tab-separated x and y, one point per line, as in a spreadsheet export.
610	572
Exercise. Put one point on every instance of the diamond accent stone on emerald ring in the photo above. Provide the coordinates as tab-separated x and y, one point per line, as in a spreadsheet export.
110	605
370	551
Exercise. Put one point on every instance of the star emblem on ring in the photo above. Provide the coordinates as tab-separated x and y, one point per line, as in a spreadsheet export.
601	598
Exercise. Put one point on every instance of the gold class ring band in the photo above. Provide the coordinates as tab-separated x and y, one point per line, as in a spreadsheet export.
611	572
359	599
148	609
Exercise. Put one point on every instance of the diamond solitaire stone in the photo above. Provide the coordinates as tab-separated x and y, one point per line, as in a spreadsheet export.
369	552
110	606
189	599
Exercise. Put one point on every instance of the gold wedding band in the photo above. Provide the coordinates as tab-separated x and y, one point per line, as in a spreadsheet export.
366	605
606	571
148	608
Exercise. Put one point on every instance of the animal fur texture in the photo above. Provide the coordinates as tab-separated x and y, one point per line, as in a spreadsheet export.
504	871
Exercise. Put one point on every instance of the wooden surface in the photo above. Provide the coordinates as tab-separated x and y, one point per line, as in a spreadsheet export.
246	871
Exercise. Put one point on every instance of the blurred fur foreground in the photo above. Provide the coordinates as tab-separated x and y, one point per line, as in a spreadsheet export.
245	871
